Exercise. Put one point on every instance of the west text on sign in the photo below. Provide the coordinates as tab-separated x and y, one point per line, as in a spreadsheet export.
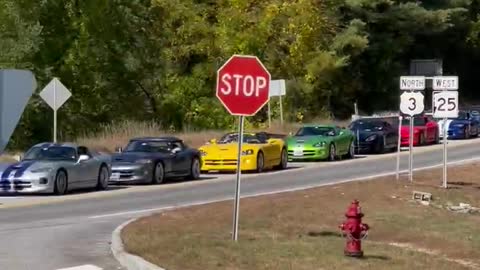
445	83
412	83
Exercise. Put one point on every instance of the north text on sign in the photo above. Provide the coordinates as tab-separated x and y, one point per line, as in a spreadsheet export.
412	83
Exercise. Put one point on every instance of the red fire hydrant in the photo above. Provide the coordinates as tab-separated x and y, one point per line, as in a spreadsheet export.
354	230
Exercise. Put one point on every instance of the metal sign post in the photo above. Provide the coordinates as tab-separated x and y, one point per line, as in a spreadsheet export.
237	186
445	141
399	143
55	94
445	105
411	104
410	147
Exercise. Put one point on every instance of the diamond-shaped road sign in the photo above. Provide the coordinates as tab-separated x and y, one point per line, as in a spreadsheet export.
16	88
55	94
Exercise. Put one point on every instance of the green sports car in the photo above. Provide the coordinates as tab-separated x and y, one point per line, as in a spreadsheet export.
321	142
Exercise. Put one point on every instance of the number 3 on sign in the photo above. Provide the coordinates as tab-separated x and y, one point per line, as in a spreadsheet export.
411	103
445	104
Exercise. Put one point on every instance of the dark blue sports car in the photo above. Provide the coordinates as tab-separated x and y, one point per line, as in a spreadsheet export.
464	126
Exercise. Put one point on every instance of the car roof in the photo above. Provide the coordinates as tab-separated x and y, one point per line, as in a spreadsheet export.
320	125
158	139
52	144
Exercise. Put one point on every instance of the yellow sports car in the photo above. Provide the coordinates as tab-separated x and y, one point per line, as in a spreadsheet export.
259	151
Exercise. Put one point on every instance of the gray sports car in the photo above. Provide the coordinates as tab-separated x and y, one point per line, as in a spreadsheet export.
154	159
56	168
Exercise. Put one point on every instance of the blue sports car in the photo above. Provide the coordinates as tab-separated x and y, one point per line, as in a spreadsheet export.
463	127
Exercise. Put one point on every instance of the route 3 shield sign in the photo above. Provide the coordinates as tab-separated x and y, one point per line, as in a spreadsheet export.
412	103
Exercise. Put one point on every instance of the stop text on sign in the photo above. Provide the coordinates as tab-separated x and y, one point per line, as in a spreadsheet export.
445	83
412	83
243	85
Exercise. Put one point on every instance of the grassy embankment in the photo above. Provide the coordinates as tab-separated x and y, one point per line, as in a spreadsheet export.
299	230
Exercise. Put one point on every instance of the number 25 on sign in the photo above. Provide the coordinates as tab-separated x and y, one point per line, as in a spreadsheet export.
445	104
411	103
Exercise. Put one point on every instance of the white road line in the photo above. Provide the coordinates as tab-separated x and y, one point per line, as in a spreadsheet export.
83	267
469	160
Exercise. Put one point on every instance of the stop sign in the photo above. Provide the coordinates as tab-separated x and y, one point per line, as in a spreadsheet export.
243	85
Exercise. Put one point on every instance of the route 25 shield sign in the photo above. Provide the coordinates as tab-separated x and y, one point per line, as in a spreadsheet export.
412	103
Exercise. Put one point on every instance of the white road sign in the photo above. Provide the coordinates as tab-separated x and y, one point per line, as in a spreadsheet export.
55	94
412	83
445	104
445	83
277	88
412	103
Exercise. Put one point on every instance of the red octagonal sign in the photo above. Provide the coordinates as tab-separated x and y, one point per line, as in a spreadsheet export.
243	85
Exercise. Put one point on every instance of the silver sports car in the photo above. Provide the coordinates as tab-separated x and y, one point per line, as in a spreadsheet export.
56	168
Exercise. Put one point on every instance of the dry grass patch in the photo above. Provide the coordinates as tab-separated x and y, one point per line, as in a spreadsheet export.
298	230
115	135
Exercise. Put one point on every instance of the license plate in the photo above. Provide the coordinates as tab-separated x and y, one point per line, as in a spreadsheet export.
298	152
115	176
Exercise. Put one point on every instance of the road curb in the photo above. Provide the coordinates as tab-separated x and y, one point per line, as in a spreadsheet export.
127	260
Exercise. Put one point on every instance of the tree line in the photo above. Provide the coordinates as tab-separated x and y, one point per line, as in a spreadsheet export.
156	60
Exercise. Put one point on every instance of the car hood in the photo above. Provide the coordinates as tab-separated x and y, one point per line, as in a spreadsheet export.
453	122
308	140
364	134
26	166
405	130
132	157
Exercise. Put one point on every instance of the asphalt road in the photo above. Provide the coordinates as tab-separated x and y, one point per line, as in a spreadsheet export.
50	233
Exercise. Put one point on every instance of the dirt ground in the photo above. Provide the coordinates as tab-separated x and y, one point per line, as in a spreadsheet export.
299	230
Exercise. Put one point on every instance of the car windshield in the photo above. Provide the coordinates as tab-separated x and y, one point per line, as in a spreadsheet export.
316	131
51	153
247	138
463	116
366	125
416	122
148	146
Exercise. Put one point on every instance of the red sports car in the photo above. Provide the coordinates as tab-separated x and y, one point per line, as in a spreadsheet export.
425	131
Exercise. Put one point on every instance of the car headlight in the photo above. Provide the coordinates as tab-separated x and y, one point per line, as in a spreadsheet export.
247	152
319	144
203	153
42	170
144	161
371	138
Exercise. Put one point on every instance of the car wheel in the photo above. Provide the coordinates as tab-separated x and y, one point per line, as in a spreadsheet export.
102	181
158	174
283	160
332	153
195	169
351	151
260	162
61	183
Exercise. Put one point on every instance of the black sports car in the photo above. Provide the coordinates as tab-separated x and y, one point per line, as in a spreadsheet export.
374	135
153	160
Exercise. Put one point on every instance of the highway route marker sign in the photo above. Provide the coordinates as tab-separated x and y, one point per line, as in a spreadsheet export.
243	87
16	88
55	94
445	104
412	103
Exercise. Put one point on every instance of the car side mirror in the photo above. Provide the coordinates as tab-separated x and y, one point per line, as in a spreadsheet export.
18	157
290	133
83	158
176	150
213	141
118	149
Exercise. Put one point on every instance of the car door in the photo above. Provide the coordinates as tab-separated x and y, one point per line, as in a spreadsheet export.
391	134
431	127
271	149
88	169
181	159
343	139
